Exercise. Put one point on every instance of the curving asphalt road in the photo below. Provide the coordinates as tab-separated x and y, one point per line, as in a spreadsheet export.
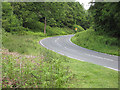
64	46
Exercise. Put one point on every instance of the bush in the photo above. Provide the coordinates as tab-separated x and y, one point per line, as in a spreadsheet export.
55	31
58	31
36	26
35	33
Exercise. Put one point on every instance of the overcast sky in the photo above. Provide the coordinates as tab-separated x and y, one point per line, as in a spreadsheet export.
85	3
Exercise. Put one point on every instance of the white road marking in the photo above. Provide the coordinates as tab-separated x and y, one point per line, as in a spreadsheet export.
66	47
112	68
60	53
57	43
42	44
75	58
56	39
99	57
72	43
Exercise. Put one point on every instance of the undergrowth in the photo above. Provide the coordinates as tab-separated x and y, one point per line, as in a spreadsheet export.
33	72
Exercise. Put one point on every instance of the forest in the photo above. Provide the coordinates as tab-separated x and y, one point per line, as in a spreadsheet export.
26	64
31	16
18	17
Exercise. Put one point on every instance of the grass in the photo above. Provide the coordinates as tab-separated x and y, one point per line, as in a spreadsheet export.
88	75
33	66
33	72
27	64
101	43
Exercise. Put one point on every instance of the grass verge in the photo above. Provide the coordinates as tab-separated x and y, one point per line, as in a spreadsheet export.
33	66
101	43
88	75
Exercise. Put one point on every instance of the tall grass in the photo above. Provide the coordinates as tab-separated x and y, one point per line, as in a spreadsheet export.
89	39
34	66
23	72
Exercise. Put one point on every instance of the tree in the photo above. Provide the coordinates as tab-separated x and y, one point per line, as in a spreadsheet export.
9	21
106	19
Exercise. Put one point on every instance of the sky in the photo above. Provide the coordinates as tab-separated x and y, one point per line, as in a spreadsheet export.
85	3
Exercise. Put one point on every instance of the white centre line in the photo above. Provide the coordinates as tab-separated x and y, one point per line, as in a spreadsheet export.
100	57
56	39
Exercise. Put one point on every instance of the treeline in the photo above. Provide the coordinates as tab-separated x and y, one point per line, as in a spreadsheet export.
105	18
19	16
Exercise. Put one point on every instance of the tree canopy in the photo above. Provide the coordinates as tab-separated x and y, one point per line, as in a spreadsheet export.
106	18
31	15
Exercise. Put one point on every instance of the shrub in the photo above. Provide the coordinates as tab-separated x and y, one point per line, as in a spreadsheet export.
36	26
58	31
35	33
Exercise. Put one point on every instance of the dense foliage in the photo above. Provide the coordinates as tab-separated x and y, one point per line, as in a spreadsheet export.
106	18
10	22
19	16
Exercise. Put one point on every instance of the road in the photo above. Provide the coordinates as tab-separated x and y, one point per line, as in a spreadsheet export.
64	46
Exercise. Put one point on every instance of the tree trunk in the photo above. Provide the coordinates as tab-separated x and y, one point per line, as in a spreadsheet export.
45	26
